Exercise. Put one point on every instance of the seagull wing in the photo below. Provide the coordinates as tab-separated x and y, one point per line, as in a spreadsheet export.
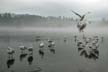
76	13
82	18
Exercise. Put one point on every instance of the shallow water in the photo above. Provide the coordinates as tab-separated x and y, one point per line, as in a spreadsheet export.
65	59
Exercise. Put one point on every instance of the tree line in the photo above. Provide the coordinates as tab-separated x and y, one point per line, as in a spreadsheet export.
20	20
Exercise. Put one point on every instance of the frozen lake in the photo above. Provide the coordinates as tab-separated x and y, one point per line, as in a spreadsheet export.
65	59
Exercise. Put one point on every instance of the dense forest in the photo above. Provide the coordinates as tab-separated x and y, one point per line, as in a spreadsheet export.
20	20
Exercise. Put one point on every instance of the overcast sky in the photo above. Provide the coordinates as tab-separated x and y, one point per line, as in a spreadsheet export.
99	8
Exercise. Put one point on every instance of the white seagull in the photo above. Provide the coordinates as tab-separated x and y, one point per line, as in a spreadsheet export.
10	50
42	44
82	24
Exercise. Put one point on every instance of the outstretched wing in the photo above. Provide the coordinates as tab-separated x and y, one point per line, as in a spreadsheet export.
82	18
76	13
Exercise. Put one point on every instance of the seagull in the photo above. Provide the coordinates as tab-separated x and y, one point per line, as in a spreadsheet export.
42	44
49	41
22	47
10	50
51	44
30	48
81	25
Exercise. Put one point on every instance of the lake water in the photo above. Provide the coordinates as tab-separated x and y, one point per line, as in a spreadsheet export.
65	59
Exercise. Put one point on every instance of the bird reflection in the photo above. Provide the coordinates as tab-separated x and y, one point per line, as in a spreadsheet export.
41	53
51	46
30	59
102	39
75	38
10	62
52	50
88	47
22	56
37	70
23	52
94	55
11	58
12	71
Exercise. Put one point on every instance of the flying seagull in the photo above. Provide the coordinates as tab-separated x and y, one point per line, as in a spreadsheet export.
81	16
81	25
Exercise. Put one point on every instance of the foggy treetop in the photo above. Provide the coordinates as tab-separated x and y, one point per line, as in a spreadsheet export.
11	19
